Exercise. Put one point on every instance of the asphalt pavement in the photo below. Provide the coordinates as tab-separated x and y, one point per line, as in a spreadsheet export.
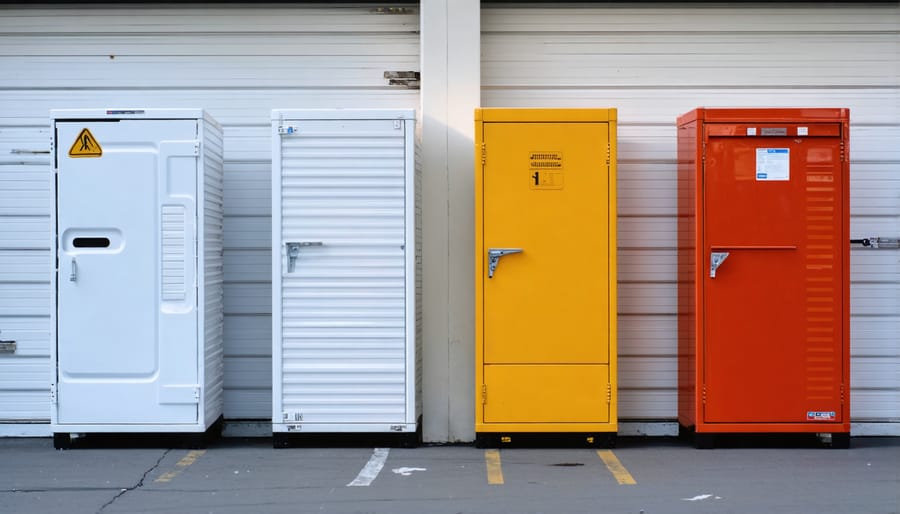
640	476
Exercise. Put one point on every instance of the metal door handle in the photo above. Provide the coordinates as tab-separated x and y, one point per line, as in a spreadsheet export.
715	260
293	251
73	275
494	255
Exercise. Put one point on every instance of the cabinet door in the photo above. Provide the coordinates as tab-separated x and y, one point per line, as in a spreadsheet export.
126	285
546	307
773	310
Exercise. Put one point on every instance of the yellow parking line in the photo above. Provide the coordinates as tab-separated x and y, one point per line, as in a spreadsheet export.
190	458
494	469
186	461
616	468
167	477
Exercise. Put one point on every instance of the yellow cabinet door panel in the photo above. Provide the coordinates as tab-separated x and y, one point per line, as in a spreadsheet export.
546	193
546	393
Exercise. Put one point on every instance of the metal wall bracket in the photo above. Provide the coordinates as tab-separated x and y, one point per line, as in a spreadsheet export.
23	151
408	79
293	251
887	243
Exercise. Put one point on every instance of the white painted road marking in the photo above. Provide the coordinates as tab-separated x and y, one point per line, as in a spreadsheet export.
407	471
700	497
370	471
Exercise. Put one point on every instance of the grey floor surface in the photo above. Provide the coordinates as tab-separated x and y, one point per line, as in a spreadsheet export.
248	476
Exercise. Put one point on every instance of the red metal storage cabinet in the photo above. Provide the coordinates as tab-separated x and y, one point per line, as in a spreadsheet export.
763	272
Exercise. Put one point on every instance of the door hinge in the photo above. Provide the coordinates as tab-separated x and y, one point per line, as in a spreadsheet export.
608	393
842	393
608	154
53	394
483	394
703	395
842	150
483	154
286	130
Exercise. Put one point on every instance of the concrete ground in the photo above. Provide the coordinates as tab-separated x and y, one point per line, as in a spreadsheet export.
646	476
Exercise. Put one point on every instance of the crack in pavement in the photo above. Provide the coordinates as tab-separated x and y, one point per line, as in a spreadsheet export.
135	486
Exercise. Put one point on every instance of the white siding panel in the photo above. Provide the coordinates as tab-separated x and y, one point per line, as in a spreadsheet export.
236	62
659	102
25	374
248	336
198	21
25	204
654	64
247	188
874	336
248	265
647	335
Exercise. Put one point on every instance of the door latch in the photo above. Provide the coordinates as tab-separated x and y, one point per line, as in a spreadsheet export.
715	260
73	275
494	255
293	251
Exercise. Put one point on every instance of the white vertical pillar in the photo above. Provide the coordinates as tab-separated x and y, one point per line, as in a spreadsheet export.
450	91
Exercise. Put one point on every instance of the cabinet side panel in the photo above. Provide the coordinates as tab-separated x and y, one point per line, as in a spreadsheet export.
688	170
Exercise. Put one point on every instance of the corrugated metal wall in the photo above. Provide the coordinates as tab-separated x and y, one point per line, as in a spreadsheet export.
24	271
236	62
655	63
652	62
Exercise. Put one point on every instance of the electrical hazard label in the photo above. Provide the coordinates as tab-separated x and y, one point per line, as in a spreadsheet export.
85	145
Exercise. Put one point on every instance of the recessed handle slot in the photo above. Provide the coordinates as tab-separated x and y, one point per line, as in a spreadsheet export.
91	242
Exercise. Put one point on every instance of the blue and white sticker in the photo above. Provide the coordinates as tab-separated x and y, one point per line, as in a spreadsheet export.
773	164
813	415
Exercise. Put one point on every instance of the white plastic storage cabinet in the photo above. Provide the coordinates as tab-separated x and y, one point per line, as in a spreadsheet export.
137	279
345	282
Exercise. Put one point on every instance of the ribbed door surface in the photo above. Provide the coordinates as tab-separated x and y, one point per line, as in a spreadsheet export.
343	345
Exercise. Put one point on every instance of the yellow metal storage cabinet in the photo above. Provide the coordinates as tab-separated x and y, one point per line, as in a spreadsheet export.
545	266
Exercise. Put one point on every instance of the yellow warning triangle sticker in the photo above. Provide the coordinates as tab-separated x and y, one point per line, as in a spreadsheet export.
85	145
